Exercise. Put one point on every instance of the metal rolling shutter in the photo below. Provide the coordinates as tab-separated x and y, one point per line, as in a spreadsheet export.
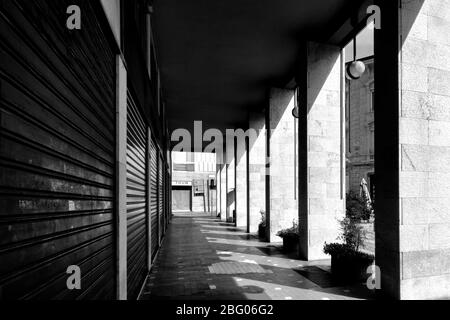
161	197
57	153
136	199
154	198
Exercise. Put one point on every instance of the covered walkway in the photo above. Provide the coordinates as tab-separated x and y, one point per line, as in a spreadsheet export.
204	258
95	102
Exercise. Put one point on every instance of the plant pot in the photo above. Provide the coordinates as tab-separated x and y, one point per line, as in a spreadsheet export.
350	268
262	232
290	244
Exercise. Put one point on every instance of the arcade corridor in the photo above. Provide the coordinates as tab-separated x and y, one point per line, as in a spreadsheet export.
96	96
203	258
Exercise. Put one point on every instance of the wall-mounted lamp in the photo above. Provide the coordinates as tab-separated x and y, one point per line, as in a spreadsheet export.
356	69
296	110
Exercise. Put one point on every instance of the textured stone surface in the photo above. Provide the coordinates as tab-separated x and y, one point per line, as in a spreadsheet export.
231	181
257	171
283	205
319	223
223	192
424	231
241	184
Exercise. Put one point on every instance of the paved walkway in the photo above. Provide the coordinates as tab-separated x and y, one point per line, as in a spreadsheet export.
204	258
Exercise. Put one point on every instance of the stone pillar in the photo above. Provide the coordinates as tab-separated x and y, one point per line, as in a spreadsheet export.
320	176
218	184
413	149
282	206
223	192
231	181
241	184
257	171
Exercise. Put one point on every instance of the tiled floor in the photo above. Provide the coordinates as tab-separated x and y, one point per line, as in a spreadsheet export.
203	258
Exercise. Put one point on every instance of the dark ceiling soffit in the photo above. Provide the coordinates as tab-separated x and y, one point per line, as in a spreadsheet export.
351	26
347	26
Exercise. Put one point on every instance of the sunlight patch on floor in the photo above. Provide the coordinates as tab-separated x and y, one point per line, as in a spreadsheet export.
278	292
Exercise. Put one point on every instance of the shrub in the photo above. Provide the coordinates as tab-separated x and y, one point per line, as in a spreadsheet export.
357	208
263	219
292	232
353	235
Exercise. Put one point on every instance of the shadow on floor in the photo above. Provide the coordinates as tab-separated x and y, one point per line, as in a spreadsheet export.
206	259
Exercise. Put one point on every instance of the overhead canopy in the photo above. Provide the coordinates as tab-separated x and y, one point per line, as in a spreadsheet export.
218	58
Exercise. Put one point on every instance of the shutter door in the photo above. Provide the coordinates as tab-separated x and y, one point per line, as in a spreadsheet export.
57	153
154	197
136	199
161	197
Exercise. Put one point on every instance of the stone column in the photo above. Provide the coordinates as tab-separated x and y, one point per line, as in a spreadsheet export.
218	184
282	208
412	80
223	192
257	171
231	181
241	184
321	186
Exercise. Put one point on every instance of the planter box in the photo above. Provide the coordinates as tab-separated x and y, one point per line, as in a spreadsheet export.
262	232
290	244
350	268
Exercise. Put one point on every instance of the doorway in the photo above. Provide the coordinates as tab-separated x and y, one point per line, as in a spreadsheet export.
181	199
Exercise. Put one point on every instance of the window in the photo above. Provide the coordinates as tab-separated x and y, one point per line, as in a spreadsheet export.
183	167
372	143
372	101
348	117
372	184
190	157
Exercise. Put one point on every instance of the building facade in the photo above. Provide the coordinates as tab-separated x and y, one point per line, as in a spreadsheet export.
194	182
360	130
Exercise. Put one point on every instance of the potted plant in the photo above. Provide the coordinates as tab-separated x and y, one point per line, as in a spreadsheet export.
357	208
262	226
290	238
348	263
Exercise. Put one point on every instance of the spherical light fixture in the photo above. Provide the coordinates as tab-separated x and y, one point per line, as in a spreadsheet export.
296	112
355	70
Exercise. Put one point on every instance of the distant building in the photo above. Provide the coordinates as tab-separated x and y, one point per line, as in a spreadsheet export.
360	130
193	182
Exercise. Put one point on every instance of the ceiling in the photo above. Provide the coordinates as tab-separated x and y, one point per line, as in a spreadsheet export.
219	58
